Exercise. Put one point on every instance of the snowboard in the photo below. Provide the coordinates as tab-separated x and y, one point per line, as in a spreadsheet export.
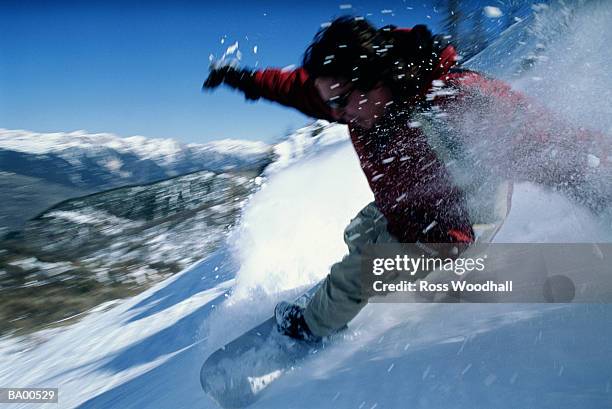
237	374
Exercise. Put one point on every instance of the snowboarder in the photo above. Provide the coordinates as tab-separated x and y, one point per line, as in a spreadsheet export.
408	110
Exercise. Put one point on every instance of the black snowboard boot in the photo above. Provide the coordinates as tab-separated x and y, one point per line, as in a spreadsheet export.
290	321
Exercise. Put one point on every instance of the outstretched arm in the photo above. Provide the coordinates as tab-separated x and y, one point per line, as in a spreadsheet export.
522	140
293	88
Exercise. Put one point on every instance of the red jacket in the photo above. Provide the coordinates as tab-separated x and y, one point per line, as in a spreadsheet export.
411	185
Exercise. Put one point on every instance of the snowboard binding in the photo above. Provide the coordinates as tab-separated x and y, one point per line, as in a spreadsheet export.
290	322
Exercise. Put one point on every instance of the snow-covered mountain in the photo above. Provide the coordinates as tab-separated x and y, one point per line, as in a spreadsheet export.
106	160
38	170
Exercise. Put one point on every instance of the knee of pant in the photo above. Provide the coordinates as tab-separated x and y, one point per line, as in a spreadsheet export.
345	280
360	232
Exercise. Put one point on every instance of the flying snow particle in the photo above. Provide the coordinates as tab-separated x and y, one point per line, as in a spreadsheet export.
493	12
232	48
426	372
539	7
346	6
255	50
490	379
386	11
354	236
593	161
430	226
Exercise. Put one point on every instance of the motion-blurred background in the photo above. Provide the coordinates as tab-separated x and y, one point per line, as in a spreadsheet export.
92	213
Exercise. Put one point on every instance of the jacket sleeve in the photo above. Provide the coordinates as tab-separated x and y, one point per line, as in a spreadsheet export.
527	142
294	89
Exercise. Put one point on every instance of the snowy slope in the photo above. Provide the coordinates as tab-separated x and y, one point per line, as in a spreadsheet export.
146	351
561	57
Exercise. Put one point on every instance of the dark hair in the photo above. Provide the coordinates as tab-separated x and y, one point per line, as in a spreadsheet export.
352	48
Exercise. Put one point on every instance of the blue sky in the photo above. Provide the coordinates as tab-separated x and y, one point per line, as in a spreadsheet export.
137	68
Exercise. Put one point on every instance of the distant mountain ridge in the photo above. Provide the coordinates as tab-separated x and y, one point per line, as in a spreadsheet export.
40	169
99	161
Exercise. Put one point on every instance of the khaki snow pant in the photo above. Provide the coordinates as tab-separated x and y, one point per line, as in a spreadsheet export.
339	298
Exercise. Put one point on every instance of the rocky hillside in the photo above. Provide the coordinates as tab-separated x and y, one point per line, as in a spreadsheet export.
109	245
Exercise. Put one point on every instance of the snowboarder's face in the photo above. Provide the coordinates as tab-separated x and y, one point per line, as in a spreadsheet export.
353	106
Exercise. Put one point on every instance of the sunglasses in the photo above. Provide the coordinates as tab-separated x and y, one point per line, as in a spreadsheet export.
339	101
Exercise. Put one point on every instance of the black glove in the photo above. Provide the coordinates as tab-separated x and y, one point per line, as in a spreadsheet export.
241	79
290	321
